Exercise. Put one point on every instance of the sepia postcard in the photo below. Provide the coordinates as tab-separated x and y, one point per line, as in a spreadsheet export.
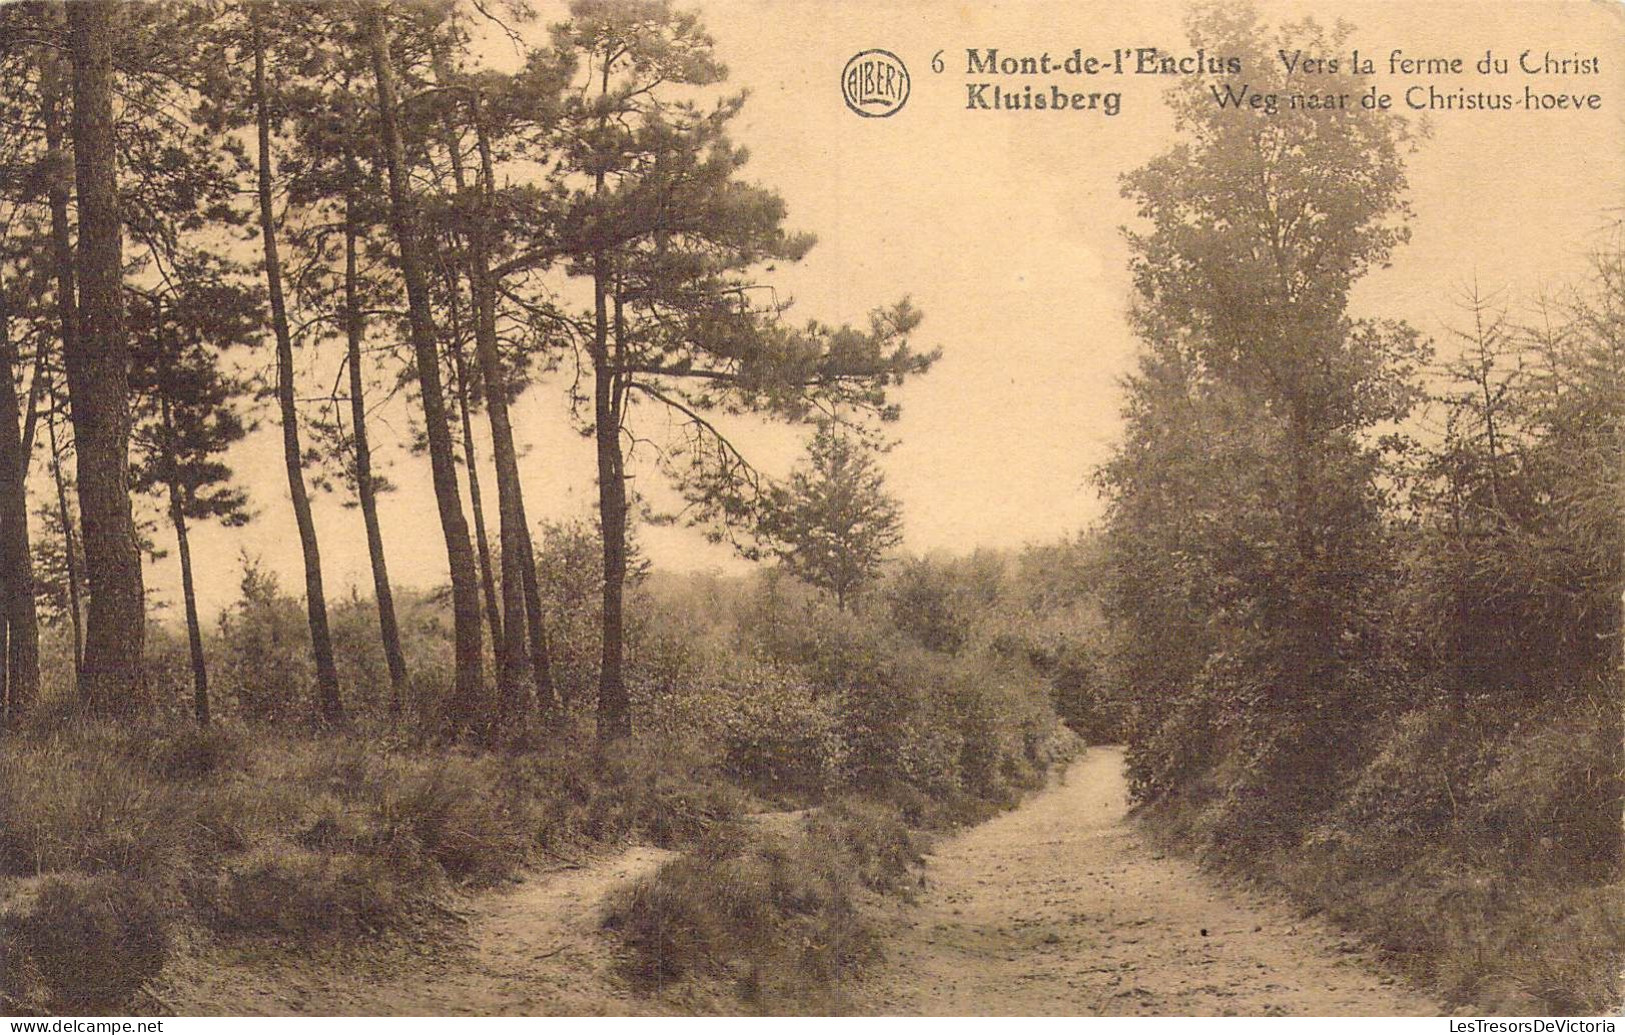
929	508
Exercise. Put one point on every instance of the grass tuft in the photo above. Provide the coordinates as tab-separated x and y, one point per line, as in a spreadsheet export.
778	915
84	945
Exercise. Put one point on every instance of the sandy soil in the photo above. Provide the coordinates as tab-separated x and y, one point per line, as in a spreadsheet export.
534	948
1061	907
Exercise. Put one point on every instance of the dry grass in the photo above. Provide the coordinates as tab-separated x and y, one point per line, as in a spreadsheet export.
1477	848
115	843
779	915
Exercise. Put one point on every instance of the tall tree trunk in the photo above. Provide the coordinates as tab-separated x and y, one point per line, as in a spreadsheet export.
70	546
459	553
98	381
507	624
366	489
525	598
183	544
5	694
194	630
541	659
36	394
476	498
321	640
21	679
59	190
614	707
511	652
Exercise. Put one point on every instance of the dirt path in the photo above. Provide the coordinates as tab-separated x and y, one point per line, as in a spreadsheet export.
1055	908
535	948
1060	908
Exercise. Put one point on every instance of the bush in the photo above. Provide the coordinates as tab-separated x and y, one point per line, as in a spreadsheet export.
779	739
450	814
1553	796
304	895
302	839
85	945
1414	785
899	733
1475	845
264	662
262	827
777	915
668	795
886	853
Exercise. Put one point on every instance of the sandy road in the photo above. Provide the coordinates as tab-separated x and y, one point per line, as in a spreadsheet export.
531	949
1060	907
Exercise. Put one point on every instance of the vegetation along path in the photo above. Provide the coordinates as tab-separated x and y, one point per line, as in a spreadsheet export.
534	948
1060	907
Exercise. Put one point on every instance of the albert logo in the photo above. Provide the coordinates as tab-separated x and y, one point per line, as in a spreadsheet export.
875	84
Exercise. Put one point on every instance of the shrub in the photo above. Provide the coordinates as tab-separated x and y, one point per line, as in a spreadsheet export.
300	894
778	738
898	734
886	853
1475	846
1416	780
1553	795
938	603
451	815
264	664
84	945
777	915
668	795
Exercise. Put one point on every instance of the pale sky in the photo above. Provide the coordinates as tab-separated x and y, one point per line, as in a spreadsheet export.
1004	229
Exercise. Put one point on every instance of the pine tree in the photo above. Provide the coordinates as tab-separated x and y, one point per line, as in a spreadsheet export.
19	677
375	38
487	106
321	639
332	179
673	243
188	415
97	362
834	522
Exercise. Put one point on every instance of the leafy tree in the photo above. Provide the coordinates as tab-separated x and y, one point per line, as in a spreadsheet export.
834	522
1258	393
